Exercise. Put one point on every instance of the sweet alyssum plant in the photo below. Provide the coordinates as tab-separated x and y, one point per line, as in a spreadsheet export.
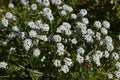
48	39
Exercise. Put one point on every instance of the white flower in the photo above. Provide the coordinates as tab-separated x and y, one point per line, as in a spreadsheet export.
57	38
60	46
45	27
90	32
64	68
68	32
99	53
34	7
32	25
88	38
3	64
98	36
47	12
24	2
66	25
63	13
109	46
27	44
106	54
50	17
104	31
39	1
115	56
79	58
117	74
57	63
36	52
45	2
108	39
43	38
15	28
80	50
97	24
56	2
68	61
60	51
10	5
32	33
83	12
110	76
5	22
67	8
22	35
106	24
8	15
96	60
117	65
74	41
11	35
73	16
85	21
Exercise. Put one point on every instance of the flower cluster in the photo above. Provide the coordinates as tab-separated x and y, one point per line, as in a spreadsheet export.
58	37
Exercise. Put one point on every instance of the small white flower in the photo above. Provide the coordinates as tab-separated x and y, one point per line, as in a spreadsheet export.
117	65
83	12
24	2
106	24
79	58
68	61
15	28
32	25
110	76
73	16
36	52
56	2
80	50
22	35
98	36
109	46
45	2
32	34
67	8
43	38
117	74
45	27
106	54
9	15
68	32
63	13
97	24
85	21
74	41
88	38
10	5
64	68
115	56
57	38
3	64
34	7
39	1
57	63
5	22
104	31
27	44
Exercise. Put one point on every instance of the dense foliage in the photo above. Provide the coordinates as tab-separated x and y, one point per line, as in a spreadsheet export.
59	40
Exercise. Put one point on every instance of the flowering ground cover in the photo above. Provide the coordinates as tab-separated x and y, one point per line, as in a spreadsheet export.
59	40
